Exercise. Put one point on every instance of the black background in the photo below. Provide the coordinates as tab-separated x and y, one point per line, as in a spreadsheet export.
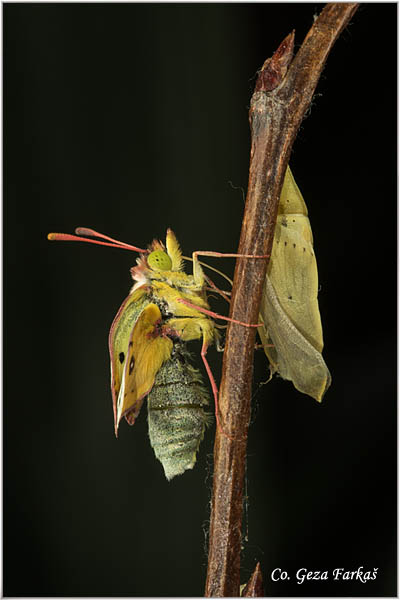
129	118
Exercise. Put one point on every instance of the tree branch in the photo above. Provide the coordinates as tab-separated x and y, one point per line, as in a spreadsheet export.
254	587
282	94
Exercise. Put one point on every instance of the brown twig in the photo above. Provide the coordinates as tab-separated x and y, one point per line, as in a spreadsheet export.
254	587
283	92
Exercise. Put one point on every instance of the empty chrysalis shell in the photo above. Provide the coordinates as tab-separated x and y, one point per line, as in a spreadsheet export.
176	415
292	336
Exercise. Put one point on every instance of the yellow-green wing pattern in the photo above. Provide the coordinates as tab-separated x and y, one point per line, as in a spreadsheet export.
289	307
133	338
148	349
118	339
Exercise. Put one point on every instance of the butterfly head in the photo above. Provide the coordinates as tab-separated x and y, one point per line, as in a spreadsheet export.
161	258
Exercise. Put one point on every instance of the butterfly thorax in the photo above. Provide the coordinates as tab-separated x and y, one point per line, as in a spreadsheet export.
161	274
181	282
172	295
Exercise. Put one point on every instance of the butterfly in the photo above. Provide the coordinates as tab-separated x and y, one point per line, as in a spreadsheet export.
165	309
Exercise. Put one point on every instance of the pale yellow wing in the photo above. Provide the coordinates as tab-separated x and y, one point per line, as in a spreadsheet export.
148	350
118	339
138	348
289	307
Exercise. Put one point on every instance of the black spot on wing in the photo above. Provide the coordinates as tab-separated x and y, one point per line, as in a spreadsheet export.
121	357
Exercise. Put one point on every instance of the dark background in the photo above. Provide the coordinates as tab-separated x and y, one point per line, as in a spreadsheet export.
130	118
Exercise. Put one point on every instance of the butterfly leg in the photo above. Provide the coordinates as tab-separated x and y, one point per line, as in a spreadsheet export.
198	273
211	377
217	290
216	315
224	255
215	391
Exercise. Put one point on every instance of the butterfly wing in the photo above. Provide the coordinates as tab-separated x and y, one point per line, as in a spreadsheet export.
118	339
138	348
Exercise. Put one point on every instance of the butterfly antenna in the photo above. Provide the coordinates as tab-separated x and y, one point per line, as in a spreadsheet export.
85	231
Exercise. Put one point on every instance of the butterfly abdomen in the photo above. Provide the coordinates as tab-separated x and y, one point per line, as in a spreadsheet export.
176	414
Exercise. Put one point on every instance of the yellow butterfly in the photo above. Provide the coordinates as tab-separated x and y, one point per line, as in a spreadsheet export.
165	309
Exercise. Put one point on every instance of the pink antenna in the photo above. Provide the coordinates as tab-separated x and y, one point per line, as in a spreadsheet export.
67	237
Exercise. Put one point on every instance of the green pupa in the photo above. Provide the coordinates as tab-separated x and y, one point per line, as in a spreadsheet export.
176	413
